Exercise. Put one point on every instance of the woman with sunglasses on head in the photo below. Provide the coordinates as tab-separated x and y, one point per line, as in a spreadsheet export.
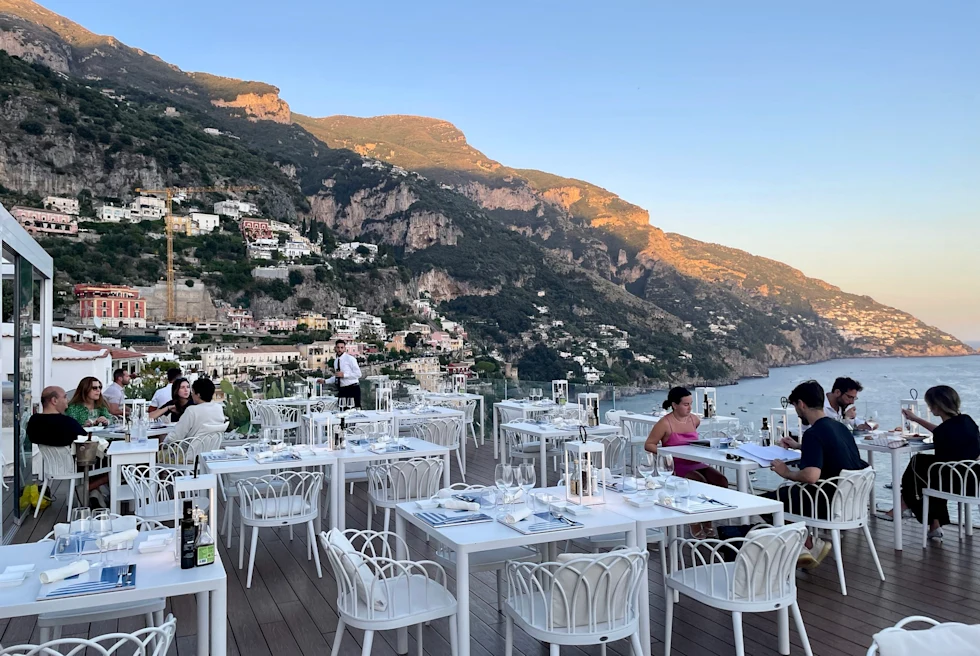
180	400
88	407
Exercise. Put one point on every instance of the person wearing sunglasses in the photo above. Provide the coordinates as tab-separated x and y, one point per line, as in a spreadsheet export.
87	406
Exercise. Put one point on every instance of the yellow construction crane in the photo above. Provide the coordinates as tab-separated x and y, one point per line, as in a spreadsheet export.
169	193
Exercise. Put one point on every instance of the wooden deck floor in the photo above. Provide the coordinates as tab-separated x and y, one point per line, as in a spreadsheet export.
288	610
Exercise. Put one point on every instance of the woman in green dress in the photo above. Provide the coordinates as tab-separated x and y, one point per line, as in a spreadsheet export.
88	407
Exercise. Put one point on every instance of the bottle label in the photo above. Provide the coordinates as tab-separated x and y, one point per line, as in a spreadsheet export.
205	554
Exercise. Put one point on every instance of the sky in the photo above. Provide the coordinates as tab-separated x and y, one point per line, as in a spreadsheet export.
839	137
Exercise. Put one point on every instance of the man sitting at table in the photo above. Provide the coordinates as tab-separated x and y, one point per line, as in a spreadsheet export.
52	427
827	450
199	417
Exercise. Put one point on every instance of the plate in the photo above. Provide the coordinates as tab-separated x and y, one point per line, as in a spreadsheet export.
641	502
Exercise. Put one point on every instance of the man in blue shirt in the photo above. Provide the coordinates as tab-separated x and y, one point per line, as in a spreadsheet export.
828	448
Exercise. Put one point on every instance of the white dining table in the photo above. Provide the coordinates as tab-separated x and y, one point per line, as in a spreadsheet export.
157	575
896	467
461	397
127	453
659	517
546	433
318	421
716	458
476	538
523	407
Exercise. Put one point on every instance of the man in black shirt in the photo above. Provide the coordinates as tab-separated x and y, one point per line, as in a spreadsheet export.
51	426
828	448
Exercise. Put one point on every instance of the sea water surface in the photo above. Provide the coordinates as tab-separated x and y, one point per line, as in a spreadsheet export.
886	381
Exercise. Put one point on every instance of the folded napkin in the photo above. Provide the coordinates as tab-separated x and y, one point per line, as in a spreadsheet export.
235	450
265	455
517	515
62	573
459	504
117	539
379	448
446	493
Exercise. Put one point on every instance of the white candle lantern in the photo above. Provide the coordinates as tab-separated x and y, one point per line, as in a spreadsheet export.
459	383
705	401
783	422
590	404
585	472
919	408
383	399
559	390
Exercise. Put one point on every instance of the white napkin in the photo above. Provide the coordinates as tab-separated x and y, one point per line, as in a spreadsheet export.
265	455
446	493
116	539
459	504
62	573
235	450
378	448
517	515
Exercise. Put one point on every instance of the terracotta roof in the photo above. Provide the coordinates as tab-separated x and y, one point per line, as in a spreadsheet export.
117	353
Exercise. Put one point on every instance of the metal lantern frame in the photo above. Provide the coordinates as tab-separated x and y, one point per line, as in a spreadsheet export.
458	382
698	407
782	421
590	455
383	399
590	404
919	407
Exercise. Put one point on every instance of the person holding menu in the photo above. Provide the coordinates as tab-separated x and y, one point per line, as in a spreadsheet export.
346	375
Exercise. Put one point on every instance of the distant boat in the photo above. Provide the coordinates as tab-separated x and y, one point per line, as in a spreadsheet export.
743	408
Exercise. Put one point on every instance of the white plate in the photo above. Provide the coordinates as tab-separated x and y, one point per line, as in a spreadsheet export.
12	579
641	502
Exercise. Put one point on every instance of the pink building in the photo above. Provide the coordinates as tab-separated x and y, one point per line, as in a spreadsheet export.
45	222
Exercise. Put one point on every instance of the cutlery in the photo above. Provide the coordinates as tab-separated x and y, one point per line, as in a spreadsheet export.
710	500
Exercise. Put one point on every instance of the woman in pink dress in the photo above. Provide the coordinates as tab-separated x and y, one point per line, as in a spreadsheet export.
678	428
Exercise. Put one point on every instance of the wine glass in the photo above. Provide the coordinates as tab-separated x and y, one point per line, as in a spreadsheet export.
504	479
527	476
665	467
101	527
646	465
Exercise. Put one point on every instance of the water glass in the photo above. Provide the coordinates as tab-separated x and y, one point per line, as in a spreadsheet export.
117	554
528	477
682	488
67	548
665	467
81	523
504	479
646	465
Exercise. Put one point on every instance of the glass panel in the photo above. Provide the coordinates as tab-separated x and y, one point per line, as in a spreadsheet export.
23	375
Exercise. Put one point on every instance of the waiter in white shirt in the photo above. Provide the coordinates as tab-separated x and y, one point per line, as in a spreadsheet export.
346	374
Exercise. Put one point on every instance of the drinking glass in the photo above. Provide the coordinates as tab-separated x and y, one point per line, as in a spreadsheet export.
665	467
646	465
67	548
539	502
504	478
682	489
81	523
527	477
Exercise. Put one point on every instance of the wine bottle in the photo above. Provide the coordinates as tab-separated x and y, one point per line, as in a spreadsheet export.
764	433
204	547
188	537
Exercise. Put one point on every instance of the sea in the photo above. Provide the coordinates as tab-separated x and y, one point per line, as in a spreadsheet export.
886	381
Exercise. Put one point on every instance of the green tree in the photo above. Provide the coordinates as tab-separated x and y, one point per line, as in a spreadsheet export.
412	340
295	278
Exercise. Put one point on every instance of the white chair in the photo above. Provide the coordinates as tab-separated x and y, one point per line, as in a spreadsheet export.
59	465
151	641
50	624
469	421
444	432
760	577
494	560
600	543
835	504
182	453
376	592
578	600
559	389
957	481
948	638
402	480
254	416
526	446
153	491
288	498
278	419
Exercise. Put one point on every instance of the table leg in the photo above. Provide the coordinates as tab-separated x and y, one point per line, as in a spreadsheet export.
897	498
113	487
463	602
742	485
462	425
401	635
446	474
633	539
544	463
339	516
203	616
219	620
483	421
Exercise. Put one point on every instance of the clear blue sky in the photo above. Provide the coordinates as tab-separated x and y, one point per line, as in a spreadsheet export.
840	137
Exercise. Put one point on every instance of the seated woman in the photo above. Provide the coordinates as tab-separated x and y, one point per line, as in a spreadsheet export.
956	437
87	406
179	401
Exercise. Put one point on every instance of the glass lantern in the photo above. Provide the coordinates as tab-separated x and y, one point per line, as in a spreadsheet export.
705	402
785	422
919	407
590	404
559	391
585	472
383	400
459	384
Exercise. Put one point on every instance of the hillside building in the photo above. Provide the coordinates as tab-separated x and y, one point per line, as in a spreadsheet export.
113	214
235	209
113	306
147	208
45	222
61	204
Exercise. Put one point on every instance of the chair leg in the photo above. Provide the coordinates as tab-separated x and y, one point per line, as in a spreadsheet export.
636	644
149	619
316	549
387	518
874	552
158	618
462	467
739	638
241	545
668	621
925	521
45	635
230	511
800	628
40	498
337	637
290	532
968	518
366	646
251	556
454	637
56	632
370	514
555	650
602	649
500	590
418	638
71	498
839	557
